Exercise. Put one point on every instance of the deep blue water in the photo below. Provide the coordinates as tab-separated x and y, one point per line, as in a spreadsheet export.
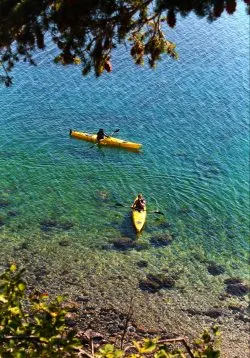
192	117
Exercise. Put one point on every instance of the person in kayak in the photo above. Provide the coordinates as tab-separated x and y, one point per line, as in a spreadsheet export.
100	135
139	203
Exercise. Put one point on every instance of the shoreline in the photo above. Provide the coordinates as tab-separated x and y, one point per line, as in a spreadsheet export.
100	292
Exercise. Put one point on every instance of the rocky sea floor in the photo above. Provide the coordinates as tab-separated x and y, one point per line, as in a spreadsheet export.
173	292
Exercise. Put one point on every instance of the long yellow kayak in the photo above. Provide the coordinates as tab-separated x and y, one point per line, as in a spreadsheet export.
107	141
139	218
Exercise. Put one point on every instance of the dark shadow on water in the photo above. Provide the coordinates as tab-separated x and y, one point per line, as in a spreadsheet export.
127	228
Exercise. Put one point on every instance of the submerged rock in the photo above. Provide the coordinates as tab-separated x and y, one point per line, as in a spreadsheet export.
142	264
164	225
234	266
232	280
23	246
237	289
161	240
124	243
64	242
102	195
2	221
4	202
66	225
154	283
48	224
12	213
40	272
215	269
214	313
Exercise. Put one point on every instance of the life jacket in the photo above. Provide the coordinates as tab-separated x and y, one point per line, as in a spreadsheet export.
100	134
140	204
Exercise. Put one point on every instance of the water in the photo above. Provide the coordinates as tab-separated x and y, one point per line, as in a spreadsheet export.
59	196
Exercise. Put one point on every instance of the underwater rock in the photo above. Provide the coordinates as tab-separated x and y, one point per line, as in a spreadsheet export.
139	246
161	240
40	272
164	225
4	202
237	289
234	266
48	224
142	264
232	280
214	313
181	154
154	283
64	243
243	318
185	210
215	269
2	221
12	213
103	195
123	243
235	308
23	246
84	299
66	225
193	312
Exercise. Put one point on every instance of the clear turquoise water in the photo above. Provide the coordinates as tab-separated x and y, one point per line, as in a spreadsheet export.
192	117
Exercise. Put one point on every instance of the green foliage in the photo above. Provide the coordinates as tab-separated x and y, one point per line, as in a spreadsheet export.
86	32
204	348
35	326
31	326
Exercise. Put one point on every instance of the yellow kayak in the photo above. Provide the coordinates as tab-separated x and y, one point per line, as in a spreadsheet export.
107	141
139	218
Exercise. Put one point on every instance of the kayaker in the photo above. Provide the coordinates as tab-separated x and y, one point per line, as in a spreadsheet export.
101	135
139	203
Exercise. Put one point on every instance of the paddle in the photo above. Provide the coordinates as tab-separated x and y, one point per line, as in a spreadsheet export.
115	131
148	212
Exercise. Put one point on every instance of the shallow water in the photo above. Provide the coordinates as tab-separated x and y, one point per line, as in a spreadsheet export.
58	199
